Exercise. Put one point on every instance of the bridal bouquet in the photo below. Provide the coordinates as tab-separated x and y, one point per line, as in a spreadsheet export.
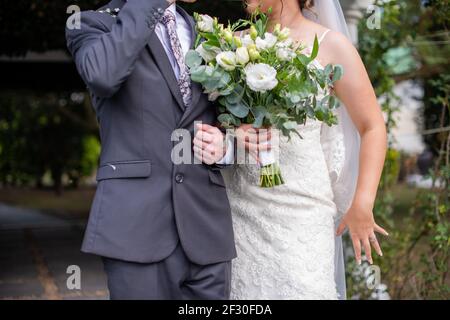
261	78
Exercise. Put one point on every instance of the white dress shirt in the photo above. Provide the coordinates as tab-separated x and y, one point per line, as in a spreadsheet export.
184	34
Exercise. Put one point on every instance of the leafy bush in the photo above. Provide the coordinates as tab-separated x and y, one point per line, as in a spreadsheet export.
416	255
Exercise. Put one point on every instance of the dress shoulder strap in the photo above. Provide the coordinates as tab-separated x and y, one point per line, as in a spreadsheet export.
324	35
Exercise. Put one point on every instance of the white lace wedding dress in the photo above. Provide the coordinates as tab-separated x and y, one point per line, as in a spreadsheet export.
285	236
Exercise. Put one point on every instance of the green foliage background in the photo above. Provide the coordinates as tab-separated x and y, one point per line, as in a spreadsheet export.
416	255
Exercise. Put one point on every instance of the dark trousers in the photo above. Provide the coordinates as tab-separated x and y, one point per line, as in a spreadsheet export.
174	278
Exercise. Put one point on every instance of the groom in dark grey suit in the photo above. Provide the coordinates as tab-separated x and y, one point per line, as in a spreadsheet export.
163	229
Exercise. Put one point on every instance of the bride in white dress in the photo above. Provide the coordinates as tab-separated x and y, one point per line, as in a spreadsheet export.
286	236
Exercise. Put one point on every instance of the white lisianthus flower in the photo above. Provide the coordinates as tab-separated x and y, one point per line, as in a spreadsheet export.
247	41
285	54
285	43
227	60
207	55
205	23
260	77
242	56
268	42
284	34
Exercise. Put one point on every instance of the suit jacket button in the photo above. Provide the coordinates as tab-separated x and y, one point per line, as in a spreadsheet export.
179	178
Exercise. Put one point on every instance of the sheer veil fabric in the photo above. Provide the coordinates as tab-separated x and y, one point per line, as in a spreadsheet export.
344	168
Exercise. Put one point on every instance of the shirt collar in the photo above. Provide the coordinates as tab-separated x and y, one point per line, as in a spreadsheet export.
173	8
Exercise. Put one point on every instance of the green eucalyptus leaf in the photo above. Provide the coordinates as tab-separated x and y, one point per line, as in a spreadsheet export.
226	91
193	59
309	111
290	125
338	72
236	96
328	70
226	120
259	114
238	109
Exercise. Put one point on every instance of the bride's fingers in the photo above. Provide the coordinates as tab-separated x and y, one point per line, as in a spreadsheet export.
340	230
368	250
254	135
375	244
258	146
357	248
264	135
379	229
251	147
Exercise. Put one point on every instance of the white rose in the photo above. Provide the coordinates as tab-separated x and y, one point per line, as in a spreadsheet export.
260	77
268	42
242	56
227	60
285	54
207	55
205	23
247	40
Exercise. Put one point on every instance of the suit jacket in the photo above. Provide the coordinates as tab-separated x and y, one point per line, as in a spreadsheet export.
144	203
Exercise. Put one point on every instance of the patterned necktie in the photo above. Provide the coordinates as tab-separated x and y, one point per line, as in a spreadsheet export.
184	80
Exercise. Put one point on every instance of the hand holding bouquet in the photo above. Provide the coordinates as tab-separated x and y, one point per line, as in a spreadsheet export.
261	78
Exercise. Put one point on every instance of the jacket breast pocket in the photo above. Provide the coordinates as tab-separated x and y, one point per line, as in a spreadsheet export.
124	169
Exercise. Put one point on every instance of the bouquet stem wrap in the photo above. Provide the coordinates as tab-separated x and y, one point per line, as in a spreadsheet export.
270	174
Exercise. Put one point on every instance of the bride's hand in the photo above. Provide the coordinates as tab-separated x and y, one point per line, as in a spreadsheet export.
254	140
362	227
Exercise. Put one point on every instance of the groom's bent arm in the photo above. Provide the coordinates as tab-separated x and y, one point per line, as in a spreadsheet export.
105	51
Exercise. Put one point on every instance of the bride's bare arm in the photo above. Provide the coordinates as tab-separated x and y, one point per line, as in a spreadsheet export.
356	92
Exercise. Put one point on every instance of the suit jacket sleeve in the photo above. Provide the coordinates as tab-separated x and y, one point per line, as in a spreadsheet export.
105	51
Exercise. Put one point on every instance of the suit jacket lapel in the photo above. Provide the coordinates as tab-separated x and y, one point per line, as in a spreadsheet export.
162	60
195	87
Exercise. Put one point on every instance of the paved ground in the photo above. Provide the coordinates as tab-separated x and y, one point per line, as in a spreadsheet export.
35	251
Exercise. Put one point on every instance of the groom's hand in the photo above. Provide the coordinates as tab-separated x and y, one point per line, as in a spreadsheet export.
209	145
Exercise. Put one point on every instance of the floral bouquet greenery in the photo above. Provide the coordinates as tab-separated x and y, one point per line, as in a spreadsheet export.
261	78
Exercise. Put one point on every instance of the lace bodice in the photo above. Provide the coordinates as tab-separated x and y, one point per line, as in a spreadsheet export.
285	235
